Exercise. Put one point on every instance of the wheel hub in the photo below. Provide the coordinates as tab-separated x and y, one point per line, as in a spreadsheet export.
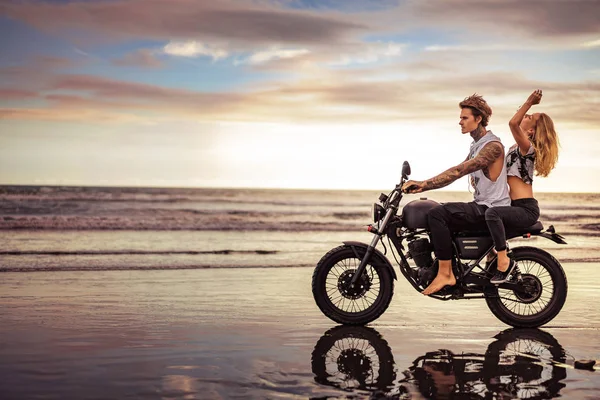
356	291
353	362
532	289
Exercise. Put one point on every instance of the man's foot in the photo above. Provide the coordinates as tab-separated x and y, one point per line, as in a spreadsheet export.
502	276
439	283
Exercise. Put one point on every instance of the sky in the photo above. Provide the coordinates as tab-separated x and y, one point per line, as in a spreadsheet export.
286	93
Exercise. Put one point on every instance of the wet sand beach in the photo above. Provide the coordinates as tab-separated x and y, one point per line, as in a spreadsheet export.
256	333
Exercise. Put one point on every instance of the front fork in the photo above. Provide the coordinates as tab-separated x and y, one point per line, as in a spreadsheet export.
378	234
365	259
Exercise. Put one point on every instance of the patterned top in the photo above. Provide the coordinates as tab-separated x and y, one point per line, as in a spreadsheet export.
521	165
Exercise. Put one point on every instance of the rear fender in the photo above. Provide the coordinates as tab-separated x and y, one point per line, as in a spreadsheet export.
380	259
551	234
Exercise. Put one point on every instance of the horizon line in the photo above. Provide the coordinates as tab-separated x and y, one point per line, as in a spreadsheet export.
3	185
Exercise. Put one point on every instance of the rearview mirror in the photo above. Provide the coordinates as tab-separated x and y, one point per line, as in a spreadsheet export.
405	170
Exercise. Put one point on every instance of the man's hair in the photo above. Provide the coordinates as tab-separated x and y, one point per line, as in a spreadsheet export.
479	107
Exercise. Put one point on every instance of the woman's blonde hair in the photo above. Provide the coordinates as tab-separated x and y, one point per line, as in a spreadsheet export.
545	142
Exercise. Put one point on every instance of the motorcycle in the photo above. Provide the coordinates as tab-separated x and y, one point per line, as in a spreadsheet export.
353	284
518	363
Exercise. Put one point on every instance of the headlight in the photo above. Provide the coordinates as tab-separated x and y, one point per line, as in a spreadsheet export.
377	212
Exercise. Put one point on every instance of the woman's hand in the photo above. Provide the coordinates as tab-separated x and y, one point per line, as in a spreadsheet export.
535	97
413	186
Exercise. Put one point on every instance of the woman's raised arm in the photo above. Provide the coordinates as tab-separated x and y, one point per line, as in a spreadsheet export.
515	122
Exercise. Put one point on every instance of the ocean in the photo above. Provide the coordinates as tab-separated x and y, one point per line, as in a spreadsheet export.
88	228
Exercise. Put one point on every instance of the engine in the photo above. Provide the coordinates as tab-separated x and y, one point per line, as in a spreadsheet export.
420	251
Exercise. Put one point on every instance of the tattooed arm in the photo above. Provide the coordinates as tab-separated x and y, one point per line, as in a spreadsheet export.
486	157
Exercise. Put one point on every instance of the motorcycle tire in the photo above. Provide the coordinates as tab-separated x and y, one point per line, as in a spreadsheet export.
328	289
353	358
530	359
548	282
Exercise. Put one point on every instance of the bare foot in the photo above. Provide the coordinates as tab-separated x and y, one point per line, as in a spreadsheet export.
439	282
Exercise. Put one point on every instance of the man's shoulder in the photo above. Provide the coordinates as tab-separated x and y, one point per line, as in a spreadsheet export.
490	152
493	145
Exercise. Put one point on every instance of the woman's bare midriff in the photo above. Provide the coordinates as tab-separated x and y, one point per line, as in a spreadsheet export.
519	189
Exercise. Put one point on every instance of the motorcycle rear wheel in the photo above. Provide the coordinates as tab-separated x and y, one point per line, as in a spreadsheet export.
358	305
547	283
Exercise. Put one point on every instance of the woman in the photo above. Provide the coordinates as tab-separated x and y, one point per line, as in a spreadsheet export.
536	150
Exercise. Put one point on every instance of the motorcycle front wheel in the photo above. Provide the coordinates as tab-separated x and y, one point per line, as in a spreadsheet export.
545	285
349	304
353	358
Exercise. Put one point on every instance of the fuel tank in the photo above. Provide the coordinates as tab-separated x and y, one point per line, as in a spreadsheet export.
414	213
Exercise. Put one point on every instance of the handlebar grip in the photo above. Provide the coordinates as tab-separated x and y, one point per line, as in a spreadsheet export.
409	188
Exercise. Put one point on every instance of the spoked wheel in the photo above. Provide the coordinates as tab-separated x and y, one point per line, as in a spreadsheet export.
343	302
527	363
543	291
353	358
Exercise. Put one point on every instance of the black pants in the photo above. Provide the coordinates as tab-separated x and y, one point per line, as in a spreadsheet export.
521	213
452	217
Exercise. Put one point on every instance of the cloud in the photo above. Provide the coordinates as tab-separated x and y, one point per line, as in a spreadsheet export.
347	6
36	72
238	23
142	58
517	23
67	115
17	94
592	43
328	97
549	18
192	48
320	59
477	47
365	53
47	62
261	57
138	93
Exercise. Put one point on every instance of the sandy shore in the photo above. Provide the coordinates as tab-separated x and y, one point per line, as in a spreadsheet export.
256	333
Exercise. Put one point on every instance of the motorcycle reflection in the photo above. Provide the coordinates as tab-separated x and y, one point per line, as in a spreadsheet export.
520	363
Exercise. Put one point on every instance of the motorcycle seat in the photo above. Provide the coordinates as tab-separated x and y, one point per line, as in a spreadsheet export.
533	230
510	232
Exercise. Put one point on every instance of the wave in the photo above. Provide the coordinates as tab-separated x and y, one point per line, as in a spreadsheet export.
136	252
581	260
65	268
569	217
200	221
595	227
259	197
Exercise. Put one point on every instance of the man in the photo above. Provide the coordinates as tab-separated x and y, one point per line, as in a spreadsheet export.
487	170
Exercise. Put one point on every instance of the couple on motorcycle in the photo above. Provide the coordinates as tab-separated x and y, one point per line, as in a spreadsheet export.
503	194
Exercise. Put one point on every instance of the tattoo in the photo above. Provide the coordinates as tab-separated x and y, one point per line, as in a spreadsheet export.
486	157
478	133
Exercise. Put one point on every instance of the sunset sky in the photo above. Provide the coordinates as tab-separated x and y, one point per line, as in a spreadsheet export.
286	93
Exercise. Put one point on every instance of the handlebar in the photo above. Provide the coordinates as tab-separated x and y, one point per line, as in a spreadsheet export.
408	189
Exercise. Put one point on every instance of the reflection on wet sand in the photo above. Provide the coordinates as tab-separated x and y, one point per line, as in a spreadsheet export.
520	363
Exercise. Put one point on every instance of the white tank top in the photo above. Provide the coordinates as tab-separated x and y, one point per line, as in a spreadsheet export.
491	194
